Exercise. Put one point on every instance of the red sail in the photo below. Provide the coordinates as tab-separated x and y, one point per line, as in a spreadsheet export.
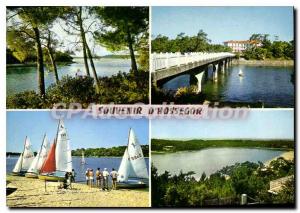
49	164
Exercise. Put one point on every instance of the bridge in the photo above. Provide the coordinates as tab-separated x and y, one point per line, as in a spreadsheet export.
166	66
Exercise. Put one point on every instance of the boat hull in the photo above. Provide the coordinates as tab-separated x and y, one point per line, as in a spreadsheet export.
50	178
31	175
132	184
18	173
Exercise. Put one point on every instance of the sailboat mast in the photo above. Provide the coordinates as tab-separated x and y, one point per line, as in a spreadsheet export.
55	140
128	136
23	152
42	146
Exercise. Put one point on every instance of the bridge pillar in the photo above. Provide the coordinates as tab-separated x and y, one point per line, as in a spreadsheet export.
206	72
196	79
215	72
226	63
223	67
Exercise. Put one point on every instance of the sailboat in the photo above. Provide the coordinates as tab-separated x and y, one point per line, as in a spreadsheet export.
241	74
82	162
59	159
39	159
133	171
25	159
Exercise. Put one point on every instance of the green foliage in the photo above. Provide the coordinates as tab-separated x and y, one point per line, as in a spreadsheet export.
21	47
107	152
10	58
121	89
272	50
72	90
118	21
25	100
183	43
159	144
183	95
125	27
124	88
184	190
62	57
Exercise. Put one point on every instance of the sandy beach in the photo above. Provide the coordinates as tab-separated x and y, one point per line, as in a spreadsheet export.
289	155
31	193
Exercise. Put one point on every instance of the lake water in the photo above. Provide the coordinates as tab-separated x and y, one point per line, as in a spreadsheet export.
209	160
270	85
21	78
92	163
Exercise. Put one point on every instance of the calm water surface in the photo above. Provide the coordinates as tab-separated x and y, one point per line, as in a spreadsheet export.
23	78
209	160
92	163
270	85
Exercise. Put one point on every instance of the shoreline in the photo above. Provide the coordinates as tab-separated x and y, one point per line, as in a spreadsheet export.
267	62
287	150
288	155
31	193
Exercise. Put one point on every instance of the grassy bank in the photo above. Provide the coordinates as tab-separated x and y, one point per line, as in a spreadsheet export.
164	146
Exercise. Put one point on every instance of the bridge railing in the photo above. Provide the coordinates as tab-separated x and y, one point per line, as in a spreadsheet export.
166	60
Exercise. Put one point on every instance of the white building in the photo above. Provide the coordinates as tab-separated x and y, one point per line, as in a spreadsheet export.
240	46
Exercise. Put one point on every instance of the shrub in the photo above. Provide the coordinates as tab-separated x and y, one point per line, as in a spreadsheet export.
72	90
24	100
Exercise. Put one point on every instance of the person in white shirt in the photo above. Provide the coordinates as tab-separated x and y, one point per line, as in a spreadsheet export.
105	179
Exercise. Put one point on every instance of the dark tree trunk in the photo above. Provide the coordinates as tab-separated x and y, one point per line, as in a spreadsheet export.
132	56
93	67
82	34
53	62
40	62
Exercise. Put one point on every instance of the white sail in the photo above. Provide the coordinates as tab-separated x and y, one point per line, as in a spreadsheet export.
136	158
125	168
28	155
63	155
39	159
18	165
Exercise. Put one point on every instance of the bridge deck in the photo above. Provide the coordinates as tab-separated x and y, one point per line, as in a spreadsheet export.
178	69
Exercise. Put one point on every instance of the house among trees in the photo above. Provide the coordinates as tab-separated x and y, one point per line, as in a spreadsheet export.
240	46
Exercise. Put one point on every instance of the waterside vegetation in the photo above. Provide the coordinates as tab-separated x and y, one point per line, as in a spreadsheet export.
164	146
31	36
226	186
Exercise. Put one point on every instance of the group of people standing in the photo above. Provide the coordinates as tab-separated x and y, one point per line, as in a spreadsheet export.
102	178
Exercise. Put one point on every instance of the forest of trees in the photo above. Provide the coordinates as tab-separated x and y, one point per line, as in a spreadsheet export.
32	37
269	49
107	152
184	43
224	187
159	144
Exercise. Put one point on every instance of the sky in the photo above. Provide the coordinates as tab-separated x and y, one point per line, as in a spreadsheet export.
223	23
83	133
268	124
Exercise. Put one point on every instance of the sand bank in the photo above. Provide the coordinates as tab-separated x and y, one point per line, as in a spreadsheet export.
289	155
31	193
